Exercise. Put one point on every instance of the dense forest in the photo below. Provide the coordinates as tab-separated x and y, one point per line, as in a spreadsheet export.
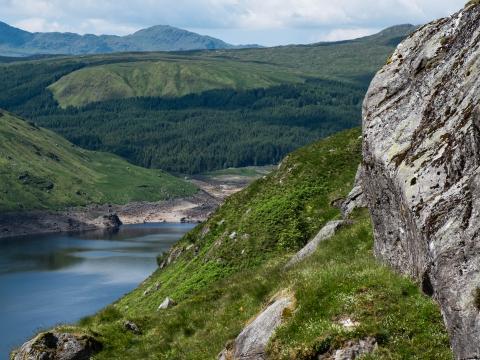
220	128
312	92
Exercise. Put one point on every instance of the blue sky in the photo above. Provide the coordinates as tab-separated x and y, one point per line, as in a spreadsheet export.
266	22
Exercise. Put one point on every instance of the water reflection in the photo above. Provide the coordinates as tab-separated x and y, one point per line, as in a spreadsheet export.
50	279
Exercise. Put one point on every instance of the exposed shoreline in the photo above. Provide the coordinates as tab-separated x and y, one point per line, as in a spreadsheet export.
193	209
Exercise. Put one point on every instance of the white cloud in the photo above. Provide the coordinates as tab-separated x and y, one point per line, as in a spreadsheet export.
247	19
345	34
39	25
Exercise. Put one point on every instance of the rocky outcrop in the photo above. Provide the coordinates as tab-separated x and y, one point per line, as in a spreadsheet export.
352	350
43	222
325	233
132	327
252	341
422	167
58	346
111	221
167	304
356	198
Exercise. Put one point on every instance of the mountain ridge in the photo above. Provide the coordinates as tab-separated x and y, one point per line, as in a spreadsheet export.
18	42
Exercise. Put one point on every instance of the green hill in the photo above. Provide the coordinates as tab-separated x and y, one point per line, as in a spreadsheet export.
181	75
227	269
41	170
244	107
162	79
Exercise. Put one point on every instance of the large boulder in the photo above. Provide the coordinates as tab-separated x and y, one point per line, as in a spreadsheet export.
421	167
252	341
325	233
58	346
356	198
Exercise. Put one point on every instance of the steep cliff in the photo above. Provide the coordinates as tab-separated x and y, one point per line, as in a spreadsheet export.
421	161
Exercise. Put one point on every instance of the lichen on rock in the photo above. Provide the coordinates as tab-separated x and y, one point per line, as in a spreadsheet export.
421	150
58	346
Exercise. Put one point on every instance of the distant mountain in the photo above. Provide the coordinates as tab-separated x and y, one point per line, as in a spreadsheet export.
17	42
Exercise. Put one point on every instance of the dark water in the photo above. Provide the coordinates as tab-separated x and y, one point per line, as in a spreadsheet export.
50	279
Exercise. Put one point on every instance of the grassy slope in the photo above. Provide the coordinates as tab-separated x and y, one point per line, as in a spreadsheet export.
179	74
41	170
229	281
162	78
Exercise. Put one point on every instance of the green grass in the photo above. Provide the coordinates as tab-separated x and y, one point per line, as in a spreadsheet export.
231	279
41	170
164	79
343	280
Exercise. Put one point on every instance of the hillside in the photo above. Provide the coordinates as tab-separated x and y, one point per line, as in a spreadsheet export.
163	79
228	269
174	76
17	42
41	170
245	107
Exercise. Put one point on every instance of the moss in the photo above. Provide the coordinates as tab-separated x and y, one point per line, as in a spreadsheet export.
445	40
472	3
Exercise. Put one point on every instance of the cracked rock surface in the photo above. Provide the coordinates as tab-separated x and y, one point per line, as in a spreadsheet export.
422	167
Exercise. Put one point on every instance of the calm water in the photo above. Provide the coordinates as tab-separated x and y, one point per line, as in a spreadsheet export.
50	279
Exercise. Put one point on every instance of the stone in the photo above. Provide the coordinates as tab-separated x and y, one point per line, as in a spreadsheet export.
356	198
111	221
352	350
132	327
421	149
252	341
58	346
325	233
167	304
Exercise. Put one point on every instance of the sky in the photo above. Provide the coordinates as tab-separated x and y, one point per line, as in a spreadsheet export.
265	22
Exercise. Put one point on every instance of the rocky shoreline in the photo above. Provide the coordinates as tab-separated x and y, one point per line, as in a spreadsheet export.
193	209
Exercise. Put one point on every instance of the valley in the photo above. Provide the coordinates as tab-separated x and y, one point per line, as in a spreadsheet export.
247	106
193	200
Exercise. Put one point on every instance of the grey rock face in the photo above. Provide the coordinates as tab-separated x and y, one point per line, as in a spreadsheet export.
356	199
325	233
252	341
58	346
422	167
